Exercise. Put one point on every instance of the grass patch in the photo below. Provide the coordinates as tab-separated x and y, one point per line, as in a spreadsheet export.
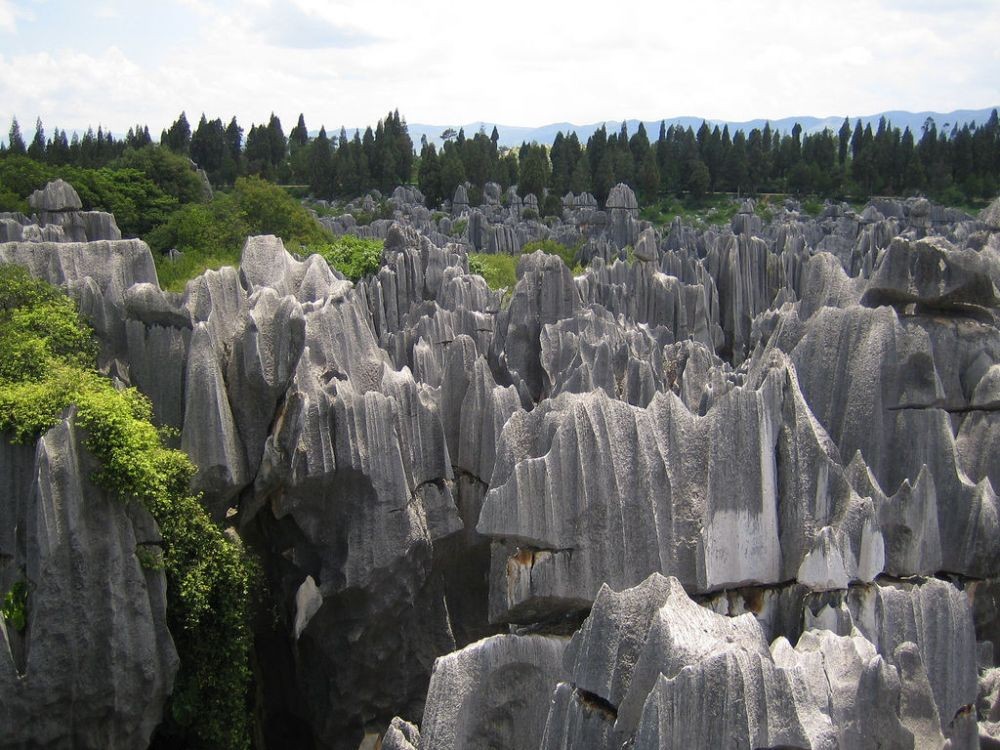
355	257
499	271
174	273
712	210
551	247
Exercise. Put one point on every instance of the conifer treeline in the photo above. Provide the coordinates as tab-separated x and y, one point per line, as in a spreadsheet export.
959	164
955	165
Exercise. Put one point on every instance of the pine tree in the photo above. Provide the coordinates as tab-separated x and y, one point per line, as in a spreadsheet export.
178	137
429	175
15	143
37	148
300	134
321	177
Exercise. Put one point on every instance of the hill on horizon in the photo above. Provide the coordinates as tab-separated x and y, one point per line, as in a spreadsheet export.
513	135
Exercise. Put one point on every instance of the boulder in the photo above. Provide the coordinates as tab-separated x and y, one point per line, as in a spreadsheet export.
57	195
933	274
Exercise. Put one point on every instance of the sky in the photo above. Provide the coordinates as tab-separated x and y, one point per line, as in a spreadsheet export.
517	62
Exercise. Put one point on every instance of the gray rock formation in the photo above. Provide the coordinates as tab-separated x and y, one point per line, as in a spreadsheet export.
990	216
932	274
646	490
460	203
650	668
95	663
58	195
493	694
624	210
793	419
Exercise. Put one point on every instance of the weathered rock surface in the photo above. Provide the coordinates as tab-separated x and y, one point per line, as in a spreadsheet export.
931	274
590	490
651	668
95	663
493	694
792	419
58	195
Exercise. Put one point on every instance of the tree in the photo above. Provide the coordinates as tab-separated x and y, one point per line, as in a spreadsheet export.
649	178
452	171
429	175
535	170
178	137
320	166
208	146
300	134
843	141
15	143
698	178
37	148
277	143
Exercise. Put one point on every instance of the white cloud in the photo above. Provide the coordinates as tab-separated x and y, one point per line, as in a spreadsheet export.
10	12
524	62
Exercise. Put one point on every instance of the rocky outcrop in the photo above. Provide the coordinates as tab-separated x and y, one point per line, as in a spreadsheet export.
933	275
659	489
493	693
94	663
791	420
58	195
650	668
624	210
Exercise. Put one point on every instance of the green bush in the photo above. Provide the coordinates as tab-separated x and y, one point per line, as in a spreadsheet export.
499	271
355	257
458	228
812	206
211	235
136	200
551	247
171	172
209	576
15	605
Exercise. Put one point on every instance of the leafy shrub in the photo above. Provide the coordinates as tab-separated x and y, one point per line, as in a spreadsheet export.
813	206
552	205
171	172
211	235
355	257
551	247
136	201
209	576
459	227
499	271
15	605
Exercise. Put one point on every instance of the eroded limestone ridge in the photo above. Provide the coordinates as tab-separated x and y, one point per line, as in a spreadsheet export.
733	489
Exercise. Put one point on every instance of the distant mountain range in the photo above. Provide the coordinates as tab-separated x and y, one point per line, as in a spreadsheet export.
514	136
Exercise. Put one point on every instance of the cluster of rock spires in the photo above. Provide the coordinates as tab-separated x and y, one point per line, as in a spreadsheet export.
737	492
58	218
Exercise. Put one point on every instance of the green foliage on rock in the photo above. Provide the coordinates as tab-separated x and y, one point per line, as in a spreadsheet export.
552	247
211	235
15	605
499	271
458	227
355	257
209	576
